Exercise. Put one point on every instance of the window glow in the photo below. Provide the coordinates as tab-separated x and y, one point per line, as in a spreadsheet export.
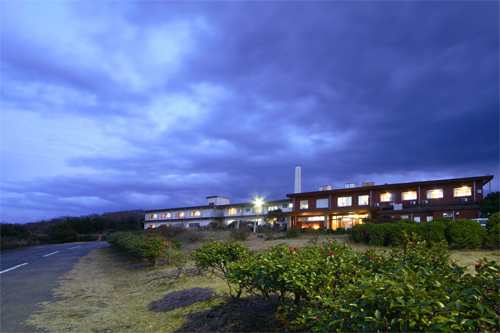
386	197
231	211
363	200
181	214
344	201
165	215
462	191
435	194
196	213
410	195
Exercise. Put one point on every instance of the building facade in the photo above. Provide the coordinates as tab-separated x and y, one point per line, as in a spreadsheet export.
219	210
420	201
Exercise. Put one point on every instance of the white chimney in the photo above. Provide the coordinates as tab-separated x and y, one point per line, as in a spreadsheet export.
298	180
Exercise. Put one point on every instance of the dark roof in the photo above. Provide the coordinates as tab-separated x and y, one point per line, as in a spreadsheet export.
485	180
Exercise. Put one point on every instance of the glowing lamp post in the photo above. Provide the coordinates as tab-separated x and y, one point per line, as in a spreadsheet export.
258	204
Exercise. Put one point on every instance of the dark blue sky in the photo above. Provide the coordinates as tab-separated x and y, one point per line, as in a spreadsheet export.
110	105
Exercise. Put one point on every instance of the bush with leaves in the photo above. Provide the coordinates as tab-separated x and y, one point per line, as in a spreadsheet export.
218	255
433	231
147	246
239	234
336	289
361	232
62	233
493	220
465	234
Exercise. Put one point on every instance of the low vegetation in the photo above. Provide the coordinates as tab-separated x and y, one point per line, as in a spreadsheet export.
314	282
458	234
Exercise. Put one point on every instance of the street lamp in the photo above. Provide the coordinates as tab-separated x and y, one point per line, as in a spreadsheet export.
258	204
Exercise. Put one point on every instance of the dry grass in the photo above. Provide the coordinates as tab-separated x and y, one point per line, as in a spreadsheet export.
109	291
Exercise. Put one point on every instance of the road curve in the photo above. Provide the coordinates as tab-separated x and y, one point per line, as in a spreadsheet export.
27	278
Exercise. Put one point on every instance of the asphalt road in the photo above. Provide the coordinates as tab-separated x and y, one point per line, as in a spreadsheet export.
27	278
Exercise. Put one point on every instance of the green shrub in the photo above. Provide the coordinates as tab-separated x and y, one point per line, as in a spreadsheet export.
341	231
218	255
444	220
433	231
493	220
380	234
330	231
398	233
150	247
493	237
294	232
240	234
62	233
88	238
465	234
361	232
408	221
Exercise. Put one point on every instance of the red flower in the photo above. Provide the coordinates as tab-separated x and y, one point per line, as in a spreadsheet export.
291	250
332	254
185	252
478	266
377	258
295	249
369	257
211	249
345	245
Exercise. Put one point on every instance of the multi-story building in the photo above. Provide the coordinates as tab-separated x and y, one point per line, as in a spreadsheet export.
420	201
219	210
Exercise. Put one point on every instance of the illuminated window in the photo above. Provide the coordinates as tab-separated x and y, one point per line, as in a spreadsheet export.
151	226
271	208
386	197
258	210
462	191
429	218
322	203
165	215
181	214
410	195
231	211
435	194
344	201
240	210
363	200
196	213
153	216
447	215
404	217
304	204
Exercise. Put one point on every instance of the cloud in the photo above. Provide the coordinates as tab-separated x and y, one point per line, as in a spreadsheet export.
142	105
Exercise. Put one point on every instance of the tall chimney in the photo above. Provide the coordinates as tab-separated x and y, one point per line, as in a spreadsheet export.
298	181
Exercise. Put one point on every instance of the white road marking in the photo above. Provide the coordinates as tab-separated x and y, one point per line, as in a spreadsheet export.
74	247
51	253
13	268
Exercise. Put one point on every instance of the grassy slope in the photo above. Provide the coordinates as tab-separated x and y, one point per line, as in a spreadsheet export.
109	291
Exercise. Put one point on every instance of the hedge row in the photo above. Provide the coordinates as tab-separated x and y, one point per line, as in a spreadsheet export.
330	287
462	234
147	246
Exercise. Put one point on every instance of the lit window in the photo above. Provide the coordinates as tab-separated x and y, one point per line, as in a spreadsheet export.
416	219
447	215
404	217
410	195
344	201
231	211
196	213
429	218
435	194
322	203
271	208
165	215
304	204
257	210
240	210
386	197
363	200
153	216
462	191
181	214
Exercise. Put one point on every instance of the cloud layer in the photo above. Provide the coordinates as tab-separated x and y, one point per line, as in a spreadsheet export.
110	106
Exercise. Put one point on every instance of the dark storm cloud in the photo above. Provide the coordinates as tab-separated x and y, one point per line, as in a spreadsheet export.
183	100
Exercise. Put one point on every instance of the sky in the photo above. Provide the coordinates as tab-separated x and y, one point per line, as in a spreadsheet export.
111	105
